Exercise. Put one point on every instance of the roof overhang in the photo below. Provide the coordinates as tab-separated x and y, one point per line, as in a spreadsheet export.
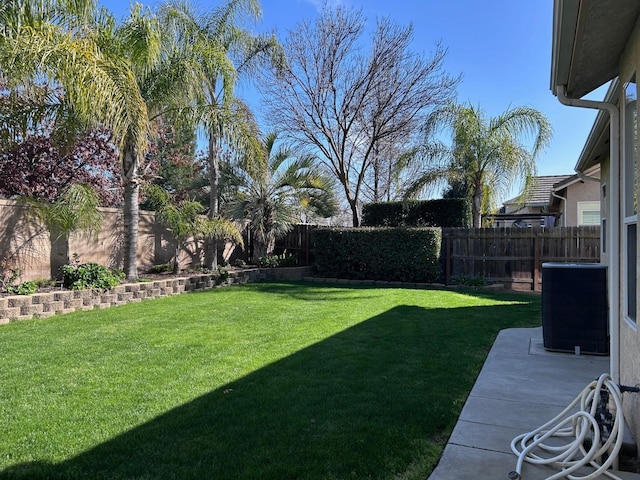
597	147
589	37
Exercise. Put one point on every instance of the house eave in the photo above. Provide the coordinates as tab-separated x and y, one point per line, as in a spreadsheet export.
596	148
589	37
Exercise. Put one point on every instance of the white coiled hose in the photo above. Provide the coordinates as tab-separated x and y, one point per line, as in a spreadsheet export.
572	456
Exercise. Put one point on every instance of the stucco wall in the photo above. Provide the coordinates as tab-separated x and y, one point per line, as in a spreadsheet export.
579	192
629	336
28	244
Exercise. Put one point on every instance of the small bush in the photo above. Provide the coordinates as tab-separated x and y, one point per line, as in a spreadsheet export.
163	268
238	262
477	281
90	275
273	261
199	268
270	261
44	282
9	274
25	288
223	275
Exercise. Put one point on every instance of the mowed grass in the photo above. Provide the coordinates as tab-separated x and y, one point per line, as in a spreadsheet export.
261	381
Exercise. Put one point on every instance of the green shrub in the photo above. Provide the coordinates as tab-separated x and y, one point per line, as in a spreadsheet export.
477	281
163	268
238	262
391	254
223	275
90	275
199	268
9	274
270	261
449	212
25	288
273	261
44	282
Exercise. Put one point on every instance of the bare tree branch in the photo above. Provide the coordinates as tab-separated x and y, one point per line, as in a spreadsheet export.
346	102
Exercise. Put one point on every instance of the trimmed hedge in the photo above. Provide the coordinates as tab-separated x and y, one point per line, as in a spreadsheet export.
448	212
391	254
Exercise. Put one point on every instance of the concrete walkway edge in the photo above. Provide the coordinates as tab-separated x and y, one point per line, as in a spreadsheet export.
520	387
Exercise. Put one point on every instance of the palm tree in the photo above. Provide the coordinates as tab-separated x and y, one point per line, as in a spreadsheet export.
487	155
186	221
118	76
225	52
272	195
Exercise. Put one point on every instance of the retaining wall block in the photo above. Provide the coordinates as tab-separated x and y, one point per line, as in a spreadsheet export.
10	312
63	296
107	298
19	301
42	298
53	307
72	304
124	296
118	289
33	309
140	294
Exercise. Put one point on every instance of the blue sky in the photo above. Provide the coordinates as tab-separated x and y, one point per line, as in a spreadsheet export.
502	48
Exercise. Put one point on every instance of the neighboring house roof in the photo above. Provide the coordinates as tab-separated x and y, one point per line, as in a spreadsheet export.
586	49
540	193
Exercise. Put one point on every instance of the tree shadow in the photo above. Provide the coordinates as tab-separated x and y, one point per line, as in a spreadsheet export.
367	402
21	239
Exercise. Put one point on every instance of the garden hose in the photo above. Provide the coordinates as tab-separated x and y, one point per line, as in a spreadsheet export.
592	425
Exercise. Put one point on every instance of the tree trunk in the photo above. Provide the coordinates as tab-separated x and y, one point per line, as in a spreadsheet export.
476	207
211	257
354	211
130	213
259	248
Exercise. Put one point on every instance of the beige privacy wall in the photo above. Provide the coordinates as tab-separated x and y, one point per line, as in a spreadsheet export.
28	245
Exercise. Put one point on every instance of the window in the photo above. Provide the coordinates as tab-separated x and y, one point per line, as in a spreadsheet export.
632	239
629	255
603	227
588	213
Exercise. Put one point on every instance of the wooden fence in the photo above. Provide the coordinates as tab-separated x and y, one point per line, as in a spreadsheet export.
515	256
297	242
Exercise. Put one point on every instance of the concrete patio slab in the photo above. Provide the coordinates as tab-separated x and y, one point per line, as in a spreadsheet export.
521	386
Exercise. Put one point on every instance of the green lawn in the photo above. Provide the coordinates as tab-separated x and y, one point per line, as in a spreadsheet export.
269	381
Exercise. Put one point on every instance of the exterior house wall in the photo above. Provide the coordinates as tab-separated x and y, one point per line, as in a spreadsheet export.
579	192
629	335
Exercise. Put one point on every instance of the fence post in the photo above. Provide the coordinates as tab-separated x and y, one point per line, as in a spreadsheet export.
536	261
447	261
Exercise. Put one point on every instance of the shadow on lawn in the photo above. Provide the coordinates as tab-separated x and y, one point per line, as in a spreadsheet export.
369	402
